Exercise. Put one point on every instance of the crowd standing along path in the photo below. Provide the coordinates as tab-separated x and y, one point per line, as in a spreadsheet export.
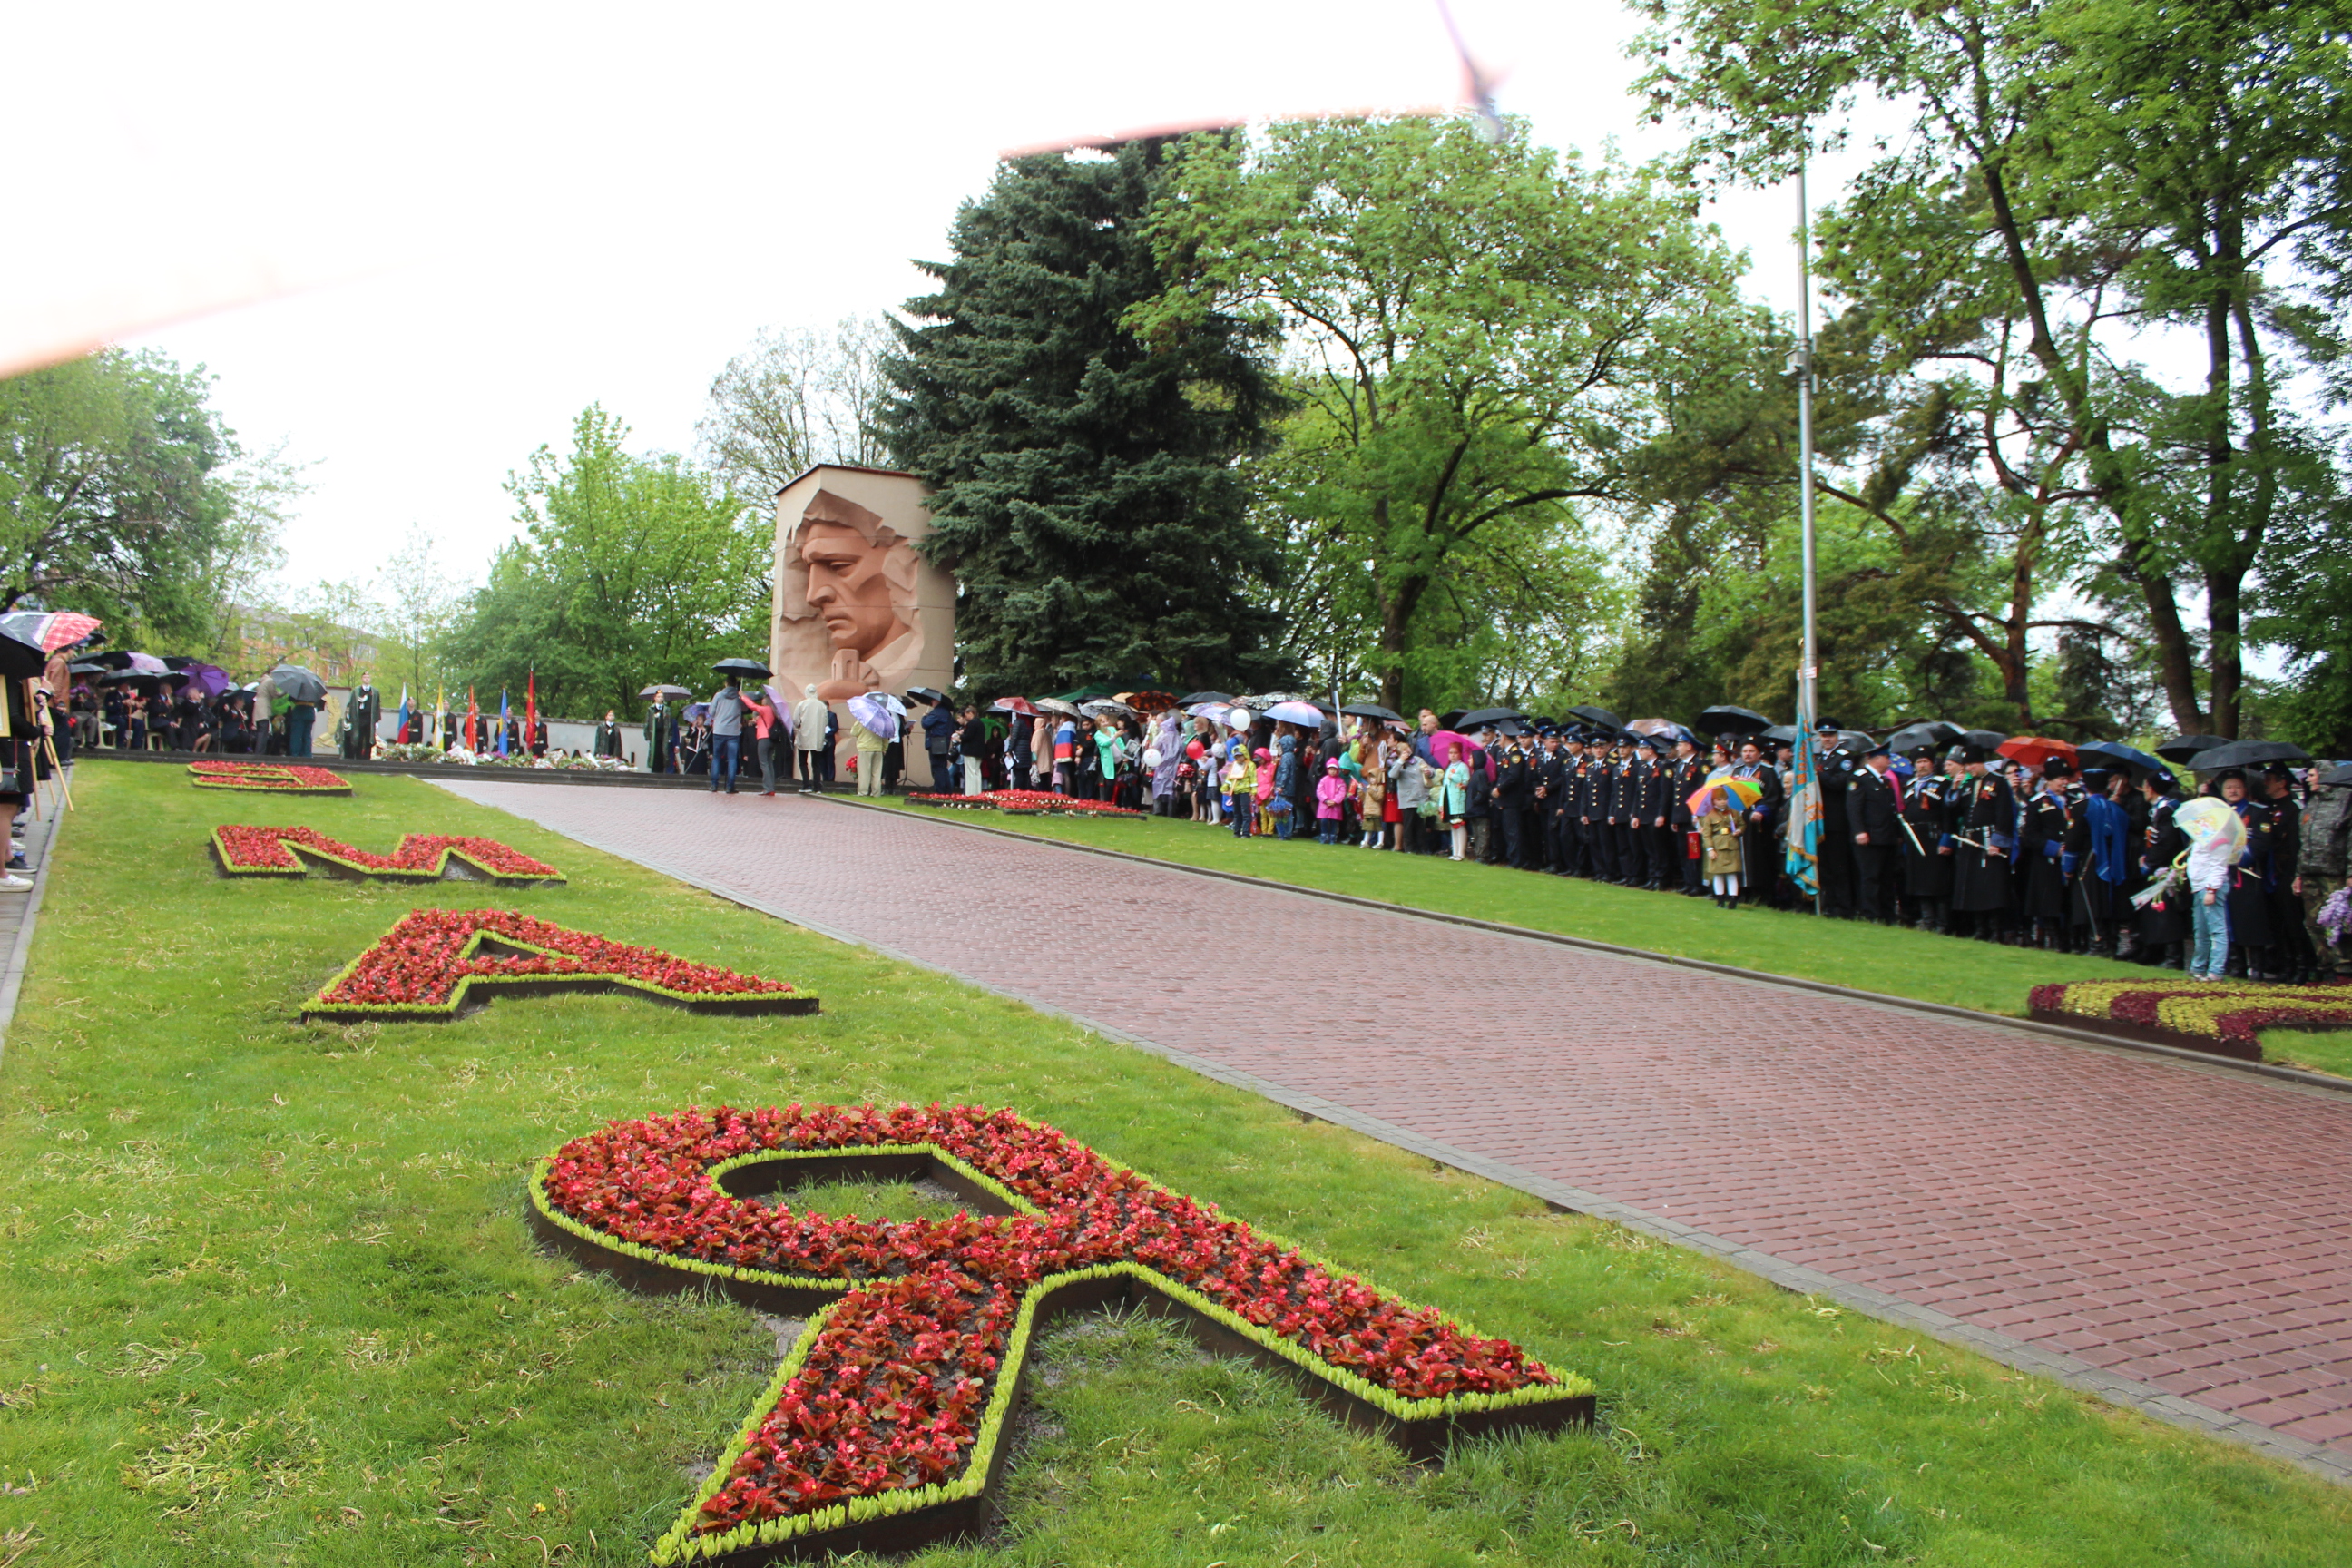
2178	1240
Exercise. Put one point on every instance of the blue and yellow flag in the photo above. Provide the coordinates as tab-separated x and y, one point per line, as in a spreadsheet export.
1804	858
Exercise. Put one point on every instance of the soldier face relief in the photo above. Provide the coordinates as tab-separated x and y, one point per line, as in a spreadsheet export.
846	586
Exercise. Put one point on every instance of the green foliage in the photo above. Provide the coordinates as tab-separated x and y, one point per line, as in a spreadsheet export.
115	498
1480	330
2071	165
630	571
273	1299
1085	489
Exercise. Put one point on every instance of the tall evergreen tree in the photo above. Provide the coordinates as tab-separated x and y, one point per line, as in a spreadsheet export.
1087	493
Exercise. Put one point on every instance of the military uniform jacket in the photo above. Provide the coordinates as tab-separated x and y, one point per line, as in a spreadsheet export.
1870	808
1684	782
1513	783
1650	779
1553	778
2250	912
1983	809
1926	872
2166	843
1625	794
2042	843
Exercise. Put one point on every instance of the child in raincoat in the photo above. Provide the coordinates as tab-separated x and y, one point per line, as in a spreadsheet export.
1241	790
1718	835
1330	799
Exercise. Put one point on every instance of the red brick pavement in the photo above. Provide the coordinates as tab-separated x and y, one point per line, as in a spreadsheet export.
2184	1230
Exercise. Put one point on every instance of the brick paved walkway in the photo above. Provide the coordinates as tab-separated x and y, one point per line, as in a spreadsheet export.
2188	1232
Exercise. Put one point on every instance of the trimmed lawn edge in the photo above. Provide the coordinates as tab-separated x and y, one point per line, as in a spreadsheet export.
2298	1076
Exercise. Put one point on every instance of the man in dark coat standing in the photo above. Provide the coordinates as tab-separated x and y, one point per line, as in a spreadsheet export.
362	715
608	737
660	732
1872	821
940	747
1983	835
1514	793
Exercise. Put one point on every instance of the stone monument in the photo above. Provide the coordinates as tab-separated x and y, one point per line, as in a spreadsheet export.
857	608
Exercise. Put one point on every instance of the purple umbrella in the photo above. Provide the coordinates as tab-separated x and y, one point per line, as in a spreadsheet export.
210	679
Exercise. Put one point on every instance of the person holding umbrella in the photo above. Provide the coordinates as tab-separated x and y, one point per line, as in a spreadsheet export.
2320	864
726	720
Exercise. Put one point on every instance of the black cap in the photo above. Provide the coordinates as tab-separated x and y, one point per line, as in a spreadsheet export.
1649	740
1876	749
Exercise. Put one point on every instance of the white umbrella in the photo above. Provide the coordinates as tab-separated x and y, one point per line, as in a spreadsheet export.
1305	713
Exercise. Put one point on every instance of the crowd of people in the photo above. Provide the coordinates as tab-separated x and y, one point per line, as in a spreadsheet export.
1957	839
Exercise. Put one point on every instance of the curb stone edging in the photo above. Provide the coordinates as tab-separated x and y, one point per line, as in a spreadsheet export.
2143	1398
12	982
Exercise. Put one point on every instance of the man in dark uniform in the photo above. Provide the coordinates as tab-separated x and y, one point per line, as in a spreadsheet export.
1595	785
660	735
2253	950
1926	864
360	717
1689	772
1836	870
1983	832
1872	825
1651	779
1551	802
1761	855
1514	792
1625	797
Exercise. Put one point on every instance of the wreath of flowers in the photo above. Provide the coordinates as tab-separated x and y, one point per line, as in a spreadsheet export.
2224	1016
1029	802
427	965
291	778
244	851
884	1428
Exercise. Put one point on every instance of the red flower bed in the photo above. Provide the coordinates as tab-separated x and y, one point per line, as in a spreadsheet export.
2226	1017
425	964
1029	800
269	852
891	1401
969	802
274	777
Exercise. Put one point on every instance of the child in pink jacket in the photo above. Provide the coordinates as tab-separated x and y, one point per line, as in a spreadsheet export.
1331	796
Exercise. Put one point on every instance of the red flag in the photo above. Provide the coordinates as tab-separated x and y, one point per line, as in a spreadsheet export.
530	710
473	722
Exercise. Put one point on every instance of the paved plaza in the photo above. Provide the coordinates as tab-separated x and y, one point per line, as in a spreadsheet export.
2169	1235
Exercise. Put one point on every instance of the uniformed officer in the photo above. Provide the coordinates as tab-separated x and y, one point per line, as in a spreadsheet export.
1872	820
1926	866
1551	801
1690	771
1981	828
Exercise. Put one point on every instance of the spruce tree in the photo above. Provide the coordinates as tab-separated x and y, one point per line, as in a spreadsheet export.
1087	496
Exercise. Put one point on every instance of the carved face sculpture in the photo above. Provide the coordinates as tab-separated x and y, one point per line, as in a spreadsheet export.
847	588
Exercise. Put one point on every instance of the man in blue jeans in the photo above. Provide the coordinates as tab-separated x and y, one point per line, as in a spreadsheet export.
726	733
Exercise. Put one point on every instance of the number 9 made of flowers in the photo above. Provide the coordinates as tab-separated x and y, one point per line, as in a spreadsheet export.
885	1427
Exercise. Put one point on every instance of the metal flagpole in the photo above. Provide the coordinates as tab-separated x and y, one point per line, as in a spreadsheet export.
1801	362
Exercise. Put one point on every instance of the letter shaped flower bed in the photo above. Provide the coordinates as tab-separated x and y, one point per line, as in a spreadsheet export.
885	1427
421	858
1028	801
275	778
433	961
2223	1017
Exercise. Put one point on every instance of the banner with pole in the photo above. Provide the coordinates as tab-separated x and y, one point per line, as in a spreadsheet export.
531	712
504	714
1803	863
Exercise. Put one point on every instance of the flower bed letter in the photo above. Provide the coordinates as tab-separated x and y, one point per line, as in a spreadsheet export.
421	858
2223	1017
433	961
885	1427
293	779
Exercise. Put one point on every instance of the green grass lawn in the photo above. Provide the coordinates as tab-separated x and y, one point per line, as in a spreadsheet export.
1918	964
270	1298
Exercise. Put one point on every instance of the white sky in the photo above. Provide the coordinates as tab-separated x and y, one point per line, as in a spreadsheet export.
534	208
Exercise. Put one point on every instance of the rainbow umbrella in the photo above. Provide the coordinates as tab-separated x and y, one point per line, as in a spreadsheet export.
1742	793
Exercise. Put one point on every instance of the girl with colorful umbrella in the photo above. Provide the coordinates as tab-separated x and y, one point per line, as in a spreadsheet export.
1718	809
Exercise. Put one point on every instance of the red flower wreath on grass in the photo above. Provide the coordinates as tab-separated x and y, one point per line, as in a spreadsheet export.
2223	1017
273	777
245	851
431	959
889	1411
1028	800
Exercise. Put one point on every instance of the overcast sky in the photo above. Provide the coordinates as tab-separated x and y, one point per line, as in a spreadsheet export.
534	209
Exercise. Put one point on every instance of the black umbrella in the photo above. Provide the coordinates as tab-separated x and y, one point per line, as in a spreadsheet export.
2181	747
2339	776
85	667
1366	711
1786	733
1853	742
1726	719
1478	716
1983	740
297	684
2248	754
664	690
926	694
2112	754
749	668
1600	716
1198	697
1927	734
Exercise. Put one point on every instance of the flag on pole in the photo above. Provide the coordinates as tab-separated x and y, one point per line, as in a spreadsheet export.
1804	858
400	727
473	722
530	710
502	720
